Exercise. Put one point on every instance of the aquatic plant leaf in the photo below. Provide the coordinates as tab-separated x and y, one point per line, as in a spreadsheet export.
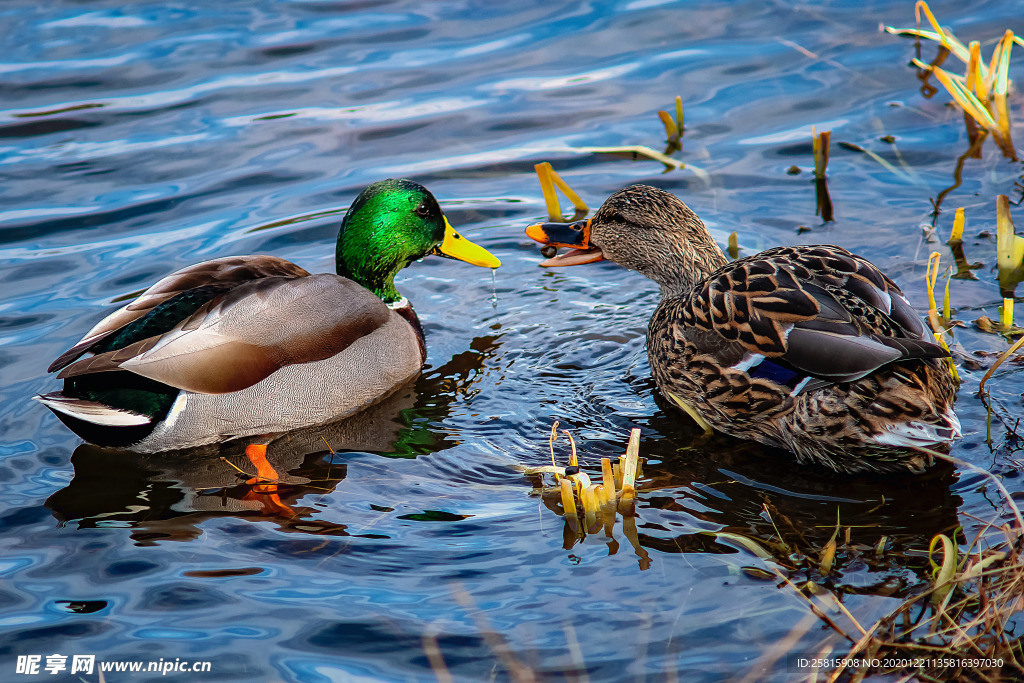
746	543
943	580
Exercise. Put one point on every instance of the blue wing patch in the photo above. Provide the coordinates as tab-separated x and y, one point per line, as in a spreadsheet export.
780	374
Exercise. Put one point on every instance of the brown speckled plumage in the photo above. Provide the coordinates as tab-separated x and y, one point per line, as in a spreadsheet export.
811	348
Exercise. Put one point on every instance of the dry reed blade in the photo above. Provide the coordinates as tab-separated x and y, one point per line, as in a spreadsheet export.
999	361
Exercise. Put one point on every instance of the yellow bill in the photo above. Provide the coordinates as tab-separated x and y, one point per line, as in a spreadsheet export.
458	247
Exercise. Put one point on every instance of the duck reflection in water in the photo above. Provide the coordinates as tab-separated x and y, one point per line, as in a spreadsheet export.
167	497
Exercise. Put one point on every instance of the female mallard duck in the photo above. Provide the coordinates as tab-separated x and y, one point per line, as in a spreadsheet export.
811	348
250	345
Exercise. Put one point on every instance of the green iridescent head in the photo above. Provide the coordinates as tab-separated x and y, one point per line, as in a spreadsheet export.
391	224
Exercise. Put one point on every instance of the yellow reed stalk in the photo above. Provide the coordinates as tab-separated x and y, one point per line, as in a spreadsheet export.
673	127
931	274
553	436
573	460
568	502
999	73
828	553
947	313
997	78
590	507
957	235
580	481
670	125
607	478
1009	246
629	464
549	180
975	79
569	193
1009	255
819	145
544	172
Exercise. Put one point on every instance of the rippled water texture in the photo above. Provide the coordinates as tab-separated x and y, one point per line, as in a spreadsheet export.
137	138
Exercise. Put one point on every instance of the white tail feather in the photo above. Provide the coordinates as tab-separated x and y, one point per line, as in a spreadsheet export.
91	411
910	434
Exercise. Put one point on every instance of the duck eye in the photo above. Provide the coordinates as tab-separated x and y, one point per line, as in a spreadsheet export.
422	211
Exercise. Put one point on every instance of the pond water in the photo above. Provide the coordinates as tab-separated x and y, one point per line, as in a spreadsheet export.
137	139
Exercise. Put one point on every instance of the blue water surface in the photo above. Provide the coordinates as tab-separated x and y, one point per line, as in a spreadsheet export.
139	138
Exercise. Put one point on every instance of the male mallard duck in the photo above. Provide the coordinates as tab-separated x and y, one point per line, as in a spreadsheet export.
250	345
811	348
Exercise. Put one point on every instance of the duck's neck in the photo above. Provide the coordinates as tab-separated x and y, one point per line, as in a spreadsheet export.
359	258
680	272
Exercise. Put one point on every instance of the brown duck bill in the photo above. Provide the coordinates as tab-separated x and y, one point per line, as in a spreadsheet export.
575	235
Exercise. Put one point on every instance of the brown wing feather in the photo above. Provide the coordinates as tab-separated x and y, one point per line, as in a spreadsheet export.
229	269
242	336
822	309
